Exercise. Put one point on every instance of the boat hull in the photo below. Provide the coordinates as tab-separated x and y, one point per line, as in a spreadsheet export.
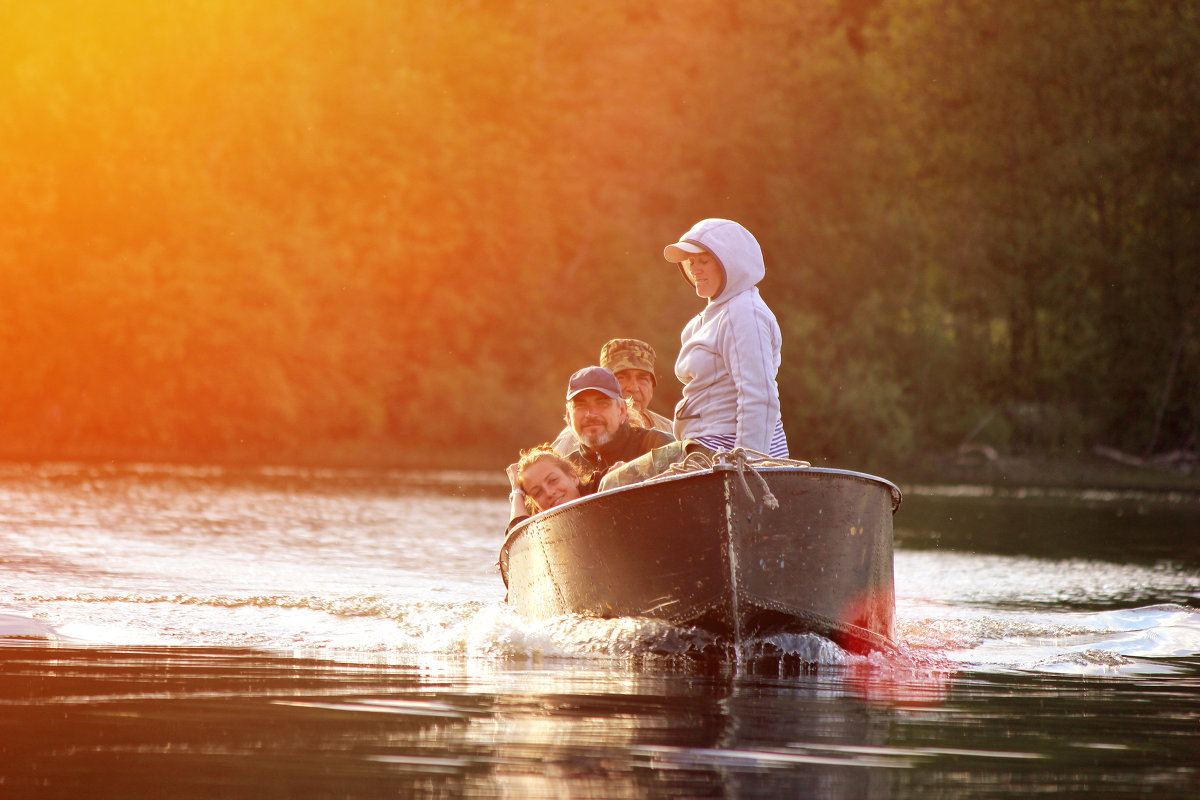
705	549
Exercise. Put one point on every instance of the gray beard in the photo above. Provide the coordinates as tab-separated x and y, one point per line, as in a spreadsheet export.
598	440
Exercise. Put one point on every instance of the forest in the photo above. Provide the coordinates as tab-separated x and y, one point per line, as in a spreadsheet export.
387	231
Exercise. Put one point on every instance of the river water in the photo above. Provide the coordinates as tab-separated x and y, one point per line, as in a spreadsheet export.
205	632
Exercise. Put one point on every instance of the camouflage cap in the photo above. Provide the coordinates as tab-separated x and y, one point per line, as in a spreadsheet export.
619	354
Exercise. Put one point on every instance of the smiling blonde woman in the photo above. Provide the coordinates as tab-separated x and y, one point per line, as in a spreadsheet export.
542	479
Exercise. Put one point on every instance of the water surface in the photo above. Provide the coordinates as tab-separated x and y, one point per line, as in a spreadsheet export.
201	632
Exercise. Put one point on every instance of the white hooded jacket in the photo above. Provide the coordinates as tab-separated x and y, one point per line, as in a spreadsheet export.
730	353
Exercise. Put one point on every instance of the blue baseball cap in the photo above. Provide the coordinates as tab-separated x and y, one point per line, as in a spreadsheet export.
596	379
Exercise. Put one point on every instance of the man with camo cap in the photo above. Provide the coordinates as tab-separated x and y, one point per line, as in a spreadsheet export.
632	361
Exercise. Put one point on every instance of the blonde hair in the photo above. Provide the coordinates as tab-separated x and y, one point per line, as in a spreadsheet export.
635	416
543	452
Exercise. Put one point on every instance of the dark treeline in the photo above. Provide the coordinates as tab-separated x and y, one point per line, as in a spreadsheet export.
390	229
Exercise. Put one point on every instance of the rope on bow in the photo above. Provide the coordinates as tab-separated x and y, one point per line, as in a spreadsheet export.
741	459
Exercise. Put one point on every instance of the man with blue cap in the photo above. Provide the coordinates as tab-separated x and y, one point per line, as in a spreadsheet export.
632	361
597	415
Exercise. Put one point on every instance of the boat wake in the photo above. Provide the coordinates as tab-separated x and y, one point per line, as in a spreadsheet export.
1134	641
1138	640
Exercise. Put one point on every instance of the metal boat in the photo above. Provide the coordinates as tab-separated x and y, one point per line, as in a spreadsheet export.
706	548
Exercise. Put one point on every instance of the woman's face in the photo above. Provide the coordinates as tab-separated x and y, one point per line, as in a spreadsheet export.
547	485
706	274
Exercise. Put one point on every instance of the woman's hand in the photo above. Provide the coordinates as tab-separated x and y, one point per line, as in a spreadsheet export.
514	476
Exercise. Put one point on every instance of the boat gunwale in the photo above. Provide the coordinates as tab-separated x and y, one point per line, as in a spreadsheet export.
519	528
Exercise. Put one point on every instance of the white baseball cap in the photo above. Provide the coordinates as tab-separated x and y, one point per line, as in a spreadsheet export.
681	251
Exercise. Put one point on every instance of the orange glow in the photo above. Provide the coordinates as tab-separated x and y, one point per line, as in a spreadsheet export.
252	229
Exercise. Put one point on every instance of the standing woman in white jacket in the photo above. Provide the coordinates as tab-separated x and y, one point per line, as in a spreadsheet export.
730	353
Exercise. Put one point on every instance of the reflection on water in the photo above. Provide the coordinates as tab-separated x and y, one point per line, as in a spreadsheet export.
247	724
1124	527
105	723
200	632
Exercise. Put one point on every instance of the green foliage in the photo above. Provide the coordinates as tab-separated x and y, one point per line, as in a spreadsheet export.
1050	152
244	230
841	403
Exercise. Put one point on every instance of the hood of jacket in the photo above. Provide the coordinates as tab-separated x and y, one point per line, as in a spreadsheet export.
735	248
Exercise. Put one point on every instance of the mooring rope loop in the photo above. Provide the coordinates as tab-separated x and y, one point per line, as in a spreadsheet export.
690	463
742	459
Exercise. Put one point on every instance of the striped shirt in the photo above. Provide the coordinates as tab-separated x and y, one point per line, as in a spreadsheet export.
779	445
